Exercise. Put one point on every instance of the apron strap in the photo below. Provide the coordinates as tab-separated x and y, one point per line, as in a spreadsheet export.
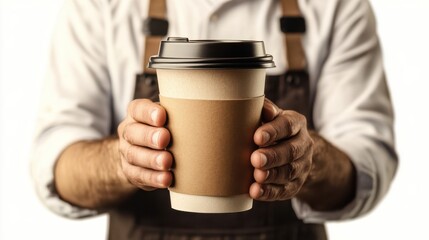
297	79
292	23
155	27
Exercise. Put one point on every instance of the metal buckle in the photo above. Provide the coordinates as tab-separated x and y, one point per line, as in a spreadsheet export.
155	27
294	24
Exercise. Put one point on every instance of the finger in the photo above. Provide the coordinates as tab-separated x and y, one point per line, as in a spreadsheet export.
146	178
285	125
284	174
146	136
121	127
146	111
269	110
145	157
282	153
272	192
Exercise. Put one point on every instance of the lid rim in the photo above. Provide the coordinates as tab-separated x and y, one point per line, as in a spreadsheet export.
213	66
157	59
182	53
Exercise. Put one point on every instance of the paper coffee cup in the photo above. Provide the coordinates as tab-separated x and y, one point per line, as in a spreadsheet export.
213	92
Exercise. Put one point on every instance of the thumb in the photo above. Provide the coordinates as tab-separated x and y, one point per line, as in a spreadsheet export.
269	111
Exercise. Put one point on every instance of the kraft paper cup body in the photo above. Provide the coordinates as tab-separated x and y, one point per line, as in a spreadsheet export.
206	110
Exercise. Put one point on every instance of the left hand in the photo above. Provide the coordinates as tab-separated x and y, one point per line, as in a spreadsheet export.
284	159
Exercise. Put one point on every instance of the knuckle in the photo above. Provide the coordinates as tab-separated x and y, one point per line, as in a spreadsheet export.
127	172
275	159
293	171
132	175
146	136
122	148
142	179
277	131
298	185
283	194
136	108
129	139
302	119
310	144
149	179
273	175
293	189
137	181
294	122
131	107
130	155
270	193
120	129
306	167
288	123
300	182
294	150
126	133
290	190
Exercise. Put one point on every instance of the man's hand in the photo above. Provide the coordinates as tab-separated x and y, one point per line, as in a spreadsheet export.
284	159
95	175
142	143
294	162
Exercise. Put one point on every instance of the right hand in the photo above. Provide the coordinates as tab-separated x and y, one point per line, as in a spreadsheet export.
142	142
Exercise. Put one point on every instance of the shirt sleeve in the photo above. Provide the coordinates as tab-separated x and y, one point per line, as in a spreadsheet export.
353	110
75	103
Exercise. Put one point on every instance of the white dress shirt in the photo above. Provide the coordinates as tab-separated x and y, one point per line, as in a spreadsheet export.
97	51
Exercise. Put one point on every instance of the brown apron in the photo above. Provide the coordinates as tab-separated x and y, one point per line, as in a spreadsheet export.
148	215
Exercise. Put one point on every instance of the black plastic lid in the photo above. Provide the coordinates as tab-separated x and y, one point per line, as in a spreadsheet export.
182	53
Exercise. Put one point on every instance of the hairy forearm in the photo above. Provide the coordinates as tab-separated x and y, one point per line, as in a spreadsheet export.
88	174
331	183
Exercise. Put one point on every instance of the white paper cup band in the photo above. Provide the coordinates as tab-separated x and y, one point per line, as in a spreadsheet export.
209	204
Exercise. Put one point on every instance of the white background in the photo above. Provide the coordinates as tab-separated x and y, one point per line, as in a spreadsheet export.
25	33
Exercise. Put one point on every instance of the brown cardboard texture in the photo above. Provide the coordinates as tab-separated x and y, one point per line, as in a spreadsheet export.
212	141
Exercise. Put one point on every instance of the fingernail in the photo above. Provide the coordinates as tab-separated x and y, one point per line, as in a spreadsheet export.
268	174
154	114
265	137
264	160
158	161
155	138
159	179
261	192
